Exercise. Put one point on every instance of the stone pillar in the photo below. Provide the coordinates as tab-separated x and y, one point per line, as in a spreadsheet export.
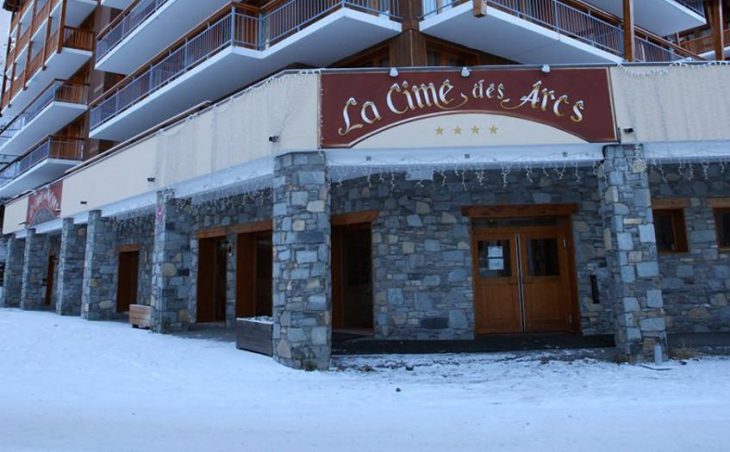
99	289
631	253
35	271
70	268
301	270
231	280
171	264
13	279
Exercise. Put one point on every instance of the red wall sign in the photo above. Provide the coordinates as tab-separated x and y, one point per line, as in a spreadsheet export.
44	204
356	106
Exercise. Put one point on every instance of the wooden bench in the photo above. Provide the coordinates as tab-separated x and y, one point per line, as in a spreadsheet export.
254	336
140	316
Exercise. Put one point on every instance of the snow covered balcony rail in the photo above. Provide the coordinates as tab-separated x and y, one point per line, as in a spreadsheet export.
234	28
59	104
583	23
253	46
43	163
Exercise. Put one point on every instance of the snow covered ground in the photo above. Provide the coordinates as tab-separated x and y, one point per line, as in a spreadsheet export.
72	385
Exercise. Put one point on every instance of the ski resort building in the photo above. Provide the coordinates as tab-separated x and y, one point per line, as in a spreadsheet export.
405	170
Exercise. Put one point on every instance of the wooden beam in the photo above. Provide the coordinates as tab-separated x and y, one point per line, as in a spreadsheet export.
520	210
479	8
129	248
259	226
718	36
669	203
354	218
719	203
629	31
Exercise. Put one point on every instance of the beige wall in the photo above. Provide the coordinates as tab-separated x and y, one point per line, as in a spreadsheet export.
230	134
15	215
690	103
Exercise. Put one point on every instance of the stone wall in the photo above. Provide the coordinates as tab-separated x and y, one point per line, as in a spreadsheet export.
35	271
422	280
99	292
301	267
13	279
70	268
695	284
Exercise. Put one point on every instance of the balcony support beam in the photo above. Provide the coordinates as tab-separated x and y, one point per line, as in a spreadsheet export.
713	10
629	31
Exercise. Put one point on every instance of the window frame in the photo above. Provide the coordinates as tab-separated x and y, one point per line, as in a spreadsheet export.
716	211
679	228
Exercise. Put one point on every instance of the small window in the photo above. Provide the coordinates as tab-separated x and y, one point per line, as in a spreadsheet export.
671	233
722	225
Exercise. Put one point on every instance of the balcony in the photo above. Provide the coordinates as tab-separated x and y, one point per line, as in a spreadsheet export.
703	45
145	29
65	52
232	41
57	106
47	161
661	17
542	31
118	4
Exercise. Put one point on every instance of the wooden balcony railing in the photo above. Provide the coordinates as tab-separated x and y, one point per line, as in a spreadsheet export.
21	12
43	10
232	25
57	91
76	38
704	43
35	63
579	21
23	40
52	147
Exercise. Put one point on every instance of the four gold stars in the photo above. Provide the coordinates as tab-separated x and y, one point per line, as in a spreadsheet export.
475	130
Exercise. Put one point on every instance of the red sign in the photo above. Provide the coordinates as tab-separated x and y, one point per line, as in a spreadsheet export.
44	204
356	106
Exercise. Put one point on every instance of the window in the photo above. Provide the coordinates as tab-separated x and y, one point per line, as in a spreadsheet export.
722	226
671	232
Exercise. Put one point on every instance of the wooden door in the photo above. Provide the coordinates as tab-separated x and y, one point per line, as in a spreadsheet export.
50	276
211	292
254	274
127	280
352	293
545	280
497	298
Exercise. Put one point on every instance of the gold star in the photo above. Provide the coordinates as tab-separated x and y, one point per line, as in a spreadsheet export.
493	129
475	130
457	131
440	131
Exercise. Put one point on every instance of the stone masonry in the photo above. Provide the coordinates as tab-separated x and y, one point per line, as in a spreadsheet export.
172	264
631	252
35	270
70	267
301	273
98	299
422	283
695	284
13	280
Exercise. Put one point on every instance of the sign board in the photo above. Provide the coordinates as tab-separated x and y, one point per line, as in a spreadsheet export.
44	204
356	106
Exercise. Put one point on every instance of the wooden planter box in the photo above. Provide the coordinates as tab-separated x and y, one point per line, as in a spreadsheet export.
254	336
140	316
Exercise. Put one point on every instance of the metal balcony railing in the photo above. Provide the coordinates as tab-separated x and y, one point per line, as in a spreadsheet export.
582	25
50	148
229	27
57	91
275	24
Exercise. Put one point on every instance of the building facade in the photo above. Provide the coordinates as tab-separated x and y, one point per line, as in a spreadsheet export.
462	168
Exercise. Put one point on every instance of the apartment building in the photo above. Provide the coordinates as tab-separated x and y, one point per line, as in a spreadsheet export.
460	168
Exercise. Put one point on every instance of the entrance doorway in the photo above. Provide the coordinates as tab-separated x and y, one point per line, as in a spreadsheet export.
352	291
253	274
522	275
211	293
127	280
50	277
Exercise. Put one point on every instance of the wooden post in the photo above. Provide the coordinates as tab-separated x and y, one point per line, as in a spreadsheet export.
629	31
718	38
479	8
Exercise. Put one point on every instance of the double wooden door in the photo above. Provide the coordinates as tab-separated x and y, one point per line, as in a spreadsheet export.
522	280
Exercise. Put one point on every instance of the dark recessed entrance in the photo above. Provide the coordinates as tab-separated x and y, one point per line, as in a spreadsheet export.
523	271
127	280
50	276
211	294
352	293
253	274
